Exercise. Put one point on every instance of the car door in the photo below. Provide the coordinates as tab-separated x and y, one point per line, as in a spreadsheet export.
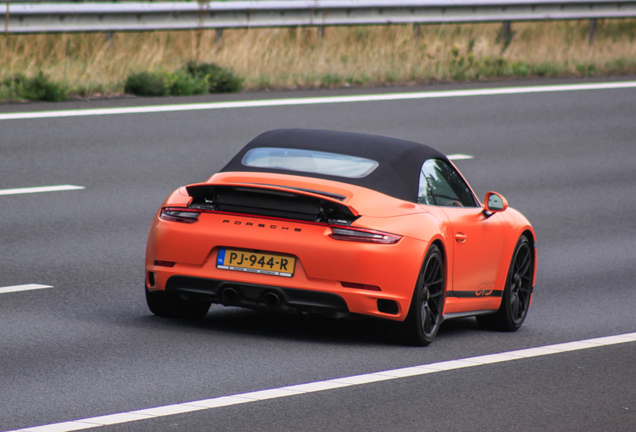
477	240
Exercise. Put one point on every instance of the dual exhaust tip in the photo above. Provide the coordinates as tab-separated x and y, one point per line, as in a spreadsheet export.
231	296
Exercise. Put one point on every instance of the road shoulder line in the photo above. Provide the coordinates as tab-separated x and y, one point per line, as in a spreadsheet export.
336	383
319	100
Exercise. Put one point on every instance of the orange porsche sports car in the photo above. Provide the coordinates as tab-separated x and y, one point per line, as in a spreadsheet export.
330	222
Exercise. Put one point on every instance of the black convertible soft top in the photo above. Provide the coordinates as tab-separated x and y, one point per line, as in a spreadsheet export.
399	160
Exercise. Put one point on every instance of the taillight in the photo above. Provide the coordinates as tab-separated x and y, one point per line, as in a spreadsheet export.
178	214
363	235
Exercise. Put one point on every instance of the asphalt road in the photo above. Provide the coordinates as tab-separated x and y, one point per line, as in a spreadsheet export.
88	346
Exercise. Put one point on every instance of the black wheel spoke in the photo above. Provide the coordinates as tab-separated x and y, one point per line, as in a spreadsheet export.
514	307
524	263
425	319
435	282
429	321
432	272
527	280
435	313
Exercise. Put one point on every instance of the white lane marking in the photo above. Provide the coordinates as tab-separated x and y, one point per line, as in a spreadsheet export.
319	100
459	156
28	190
295	390
27	287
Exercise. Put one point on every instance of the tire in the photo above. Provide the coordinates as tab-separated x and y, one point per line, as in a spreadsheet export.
170	305
517	292
426	311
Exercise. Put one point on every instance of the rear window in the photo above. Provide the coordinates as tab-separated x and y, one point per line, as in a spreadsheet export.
309	161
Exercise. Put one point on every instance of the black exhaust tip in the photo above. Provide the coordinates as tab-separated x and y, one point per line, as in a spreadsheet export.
272	300
229	295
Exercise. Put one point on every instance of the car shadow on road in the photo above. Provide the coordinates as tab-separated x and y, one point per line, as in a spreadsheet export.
307	328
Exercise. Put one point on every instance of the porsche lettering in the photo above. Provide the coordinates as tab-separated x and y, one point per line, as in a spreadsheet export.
260	225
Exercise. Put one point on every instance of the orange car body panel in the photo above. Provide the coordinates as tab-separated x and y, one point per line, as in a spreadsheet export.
476	266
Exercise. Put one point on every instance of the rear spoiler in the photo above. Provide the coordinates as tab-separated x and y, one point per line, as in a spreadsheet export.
272	201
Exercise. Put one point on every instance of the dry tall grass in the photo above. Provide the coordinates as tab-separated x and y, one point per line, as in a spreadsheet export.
290	58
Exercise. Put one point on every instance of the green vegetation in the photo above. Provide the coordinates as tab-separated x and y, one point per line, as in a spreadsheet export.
54	67
37	88
218	79
193	79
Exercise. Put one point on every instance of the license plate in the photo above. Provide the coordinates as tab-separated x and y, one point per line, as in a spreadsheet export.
254	262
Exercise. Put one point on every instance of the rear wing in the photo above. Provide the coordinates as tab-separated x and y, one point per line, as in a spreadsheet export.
272	201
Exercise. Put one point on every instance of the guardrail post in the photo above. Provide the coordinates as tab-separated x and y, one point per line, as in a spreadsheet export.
321	32
592	31
218	38
416	31
506	34
6	21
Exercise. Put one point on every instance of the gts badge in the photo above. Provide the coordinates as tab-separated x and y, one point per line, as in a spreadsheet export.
485	288
262	225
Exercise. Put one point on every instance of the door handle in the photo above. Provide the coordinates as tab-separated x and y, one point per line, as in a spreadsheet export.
460	237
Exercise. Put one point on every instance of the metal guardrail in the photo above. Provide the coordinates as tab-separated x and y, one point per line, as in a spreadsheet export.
22	18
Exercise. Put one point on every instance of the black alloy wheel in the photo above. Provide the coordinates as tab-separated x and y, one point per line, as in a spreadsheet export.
517	292
426	311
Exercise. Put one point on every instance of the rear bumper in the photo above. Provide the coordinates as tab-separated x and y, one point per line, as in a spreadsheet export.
255	296
329	274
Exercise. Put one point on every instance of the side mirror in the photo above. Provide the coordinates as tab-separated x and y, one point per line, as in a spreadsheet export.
495	202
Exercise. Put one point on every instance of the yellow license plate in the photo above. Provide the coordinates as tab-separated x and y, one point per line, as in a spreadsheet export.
254	262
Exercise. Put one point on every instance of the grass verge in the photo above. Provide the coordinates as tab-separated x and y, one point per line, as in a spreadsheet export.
91	65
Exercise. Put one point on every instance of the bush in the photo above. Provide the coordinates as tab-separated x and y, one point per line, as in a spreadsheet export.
546	69
588	70
184	84
220	79
194	79
37	88
148	83
621	65
11	88
41	87
520	69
